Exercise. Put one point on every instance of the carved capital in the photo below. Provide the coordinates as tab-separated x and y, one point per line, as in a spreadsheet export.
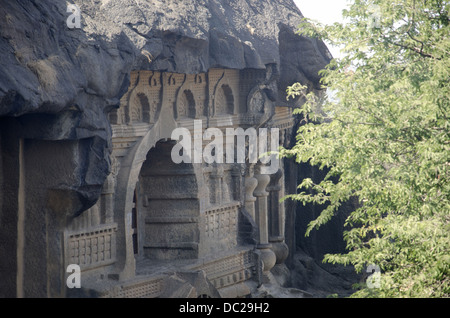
250	185
263	181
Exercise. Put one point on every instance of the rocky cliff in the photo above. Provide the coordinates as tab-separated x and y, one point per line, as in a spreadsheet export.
59	83
48	67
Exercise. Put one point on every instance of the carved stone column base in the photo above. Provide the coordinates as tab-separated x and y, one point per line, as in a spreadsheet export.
268	259
281	251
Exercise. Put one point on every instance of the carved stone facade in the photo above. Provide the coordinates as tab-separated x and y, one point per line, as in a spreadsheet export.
86	122
156	218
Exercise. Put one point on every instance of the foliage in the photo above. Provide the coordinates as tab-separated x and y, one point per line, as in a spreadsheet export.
384	139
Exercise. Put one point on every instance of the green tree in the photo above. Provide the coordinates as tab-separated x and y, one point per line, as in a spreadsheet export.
384	139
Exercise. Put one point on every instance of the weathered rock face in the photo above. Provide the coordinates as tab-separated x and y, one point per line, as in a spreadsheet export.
47	67
58	85
75	76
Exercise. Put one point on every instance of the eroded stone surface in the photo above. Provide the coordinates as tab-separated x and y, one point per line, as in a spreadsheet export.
82	111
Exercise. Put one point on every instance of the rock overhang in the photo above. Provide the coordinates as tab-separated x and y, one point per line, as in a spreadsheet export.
73	77
47	64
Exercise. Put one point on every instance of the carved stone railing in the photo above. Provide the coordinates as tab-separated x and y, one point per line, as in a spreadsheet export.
224	271
144	288
91	248
230	270
221	226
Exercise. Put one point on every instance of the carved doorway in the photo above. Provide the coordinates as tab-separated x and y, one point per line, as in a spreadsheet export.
168	208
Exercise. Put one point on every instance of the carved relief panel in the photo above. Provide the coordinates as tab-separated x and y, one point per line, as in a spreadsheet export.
142	101
223	88
191	95
224	100
186	105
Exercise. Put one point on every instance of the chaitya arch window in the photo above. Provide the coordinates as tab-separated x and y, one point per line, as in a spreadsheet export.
186	105
224	101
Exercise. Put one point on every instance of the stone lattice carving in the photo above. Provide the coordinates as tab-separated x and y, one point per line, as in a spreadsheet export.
92	249
222	272
142	289
229	270
221	226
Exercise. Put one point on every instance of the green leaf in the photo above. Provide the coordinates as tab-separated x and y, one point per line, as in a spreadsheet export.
384	139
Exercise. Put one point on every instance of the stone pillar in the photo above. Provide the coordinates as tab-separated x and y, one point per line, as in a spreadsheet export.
277	218
216	180
94	215
250	185
107	204
237	173
268	257
227	185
